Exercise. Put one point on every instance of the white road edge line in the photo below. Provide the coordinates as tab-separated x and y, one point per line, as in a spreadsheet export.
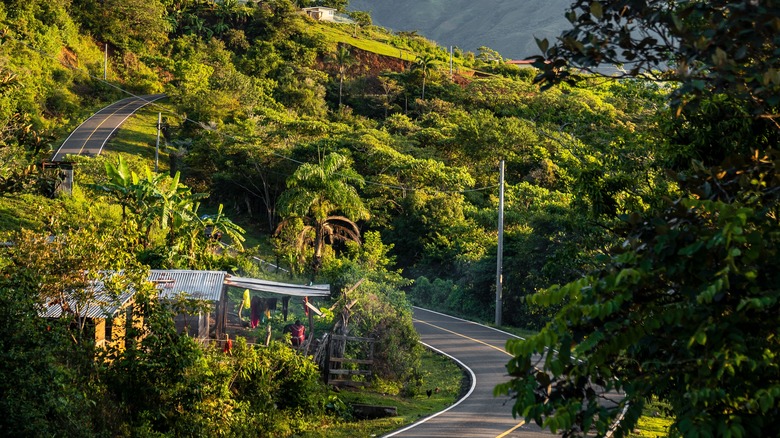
108	137
82	124
473	385
470	322
98	112
612	428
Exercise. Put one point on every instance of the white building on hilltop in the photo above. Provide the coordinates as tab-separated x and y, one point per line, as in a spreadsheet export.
320	13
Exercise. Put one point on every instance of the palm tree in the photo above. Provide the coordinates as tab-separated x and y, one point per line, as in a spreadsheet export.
424	63
343	59
316	192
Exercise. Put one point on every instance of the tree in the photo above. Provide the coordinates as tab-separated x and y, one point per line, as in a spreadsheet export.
343	59
161	202
685	311
339	5
37	271
130	25
67	266
424	64
488	55
124	185
172	205
361	18
708	47
390	88
686	308
317	191
155	200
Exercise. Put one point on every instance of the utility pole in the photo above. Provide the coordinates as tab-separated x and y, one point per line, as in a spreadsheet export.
500	256
157	147
105	63
450	62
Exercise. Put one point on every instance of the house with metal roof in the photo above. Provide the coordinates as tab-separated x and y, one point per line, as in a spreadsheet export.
97	311
212	286
107	314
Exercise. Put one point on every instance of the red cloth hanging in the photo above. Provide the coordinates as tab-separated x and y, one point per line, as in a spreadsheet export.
256	311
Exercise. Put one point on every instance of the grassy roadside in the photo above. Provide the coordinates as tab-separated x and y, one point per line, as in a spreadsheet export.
372	42
436	371
653	422
138	136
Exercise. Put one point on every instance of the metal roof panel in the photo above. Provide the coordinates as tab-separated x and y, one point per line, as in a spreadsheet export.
315	290
203	285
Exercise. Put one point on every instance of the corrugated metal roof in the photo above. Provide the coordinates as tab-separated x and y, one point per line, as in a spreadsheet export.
203	285
315	290
102	305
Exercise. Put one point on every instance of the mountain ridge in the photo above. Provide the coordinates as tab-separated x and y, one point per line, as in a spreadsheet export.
506	26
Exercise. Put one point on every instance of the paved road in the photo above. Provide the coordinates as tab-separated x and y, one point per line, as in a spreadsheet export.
90	137
481	350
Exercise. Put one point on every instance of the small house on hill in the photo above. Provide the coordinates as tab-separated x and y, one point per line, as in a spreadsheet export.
320	13
104	316
211	286
196	285
107	315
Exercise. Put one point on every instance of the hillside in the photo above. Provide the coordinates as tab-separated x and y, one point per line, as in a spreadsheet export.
632	222
504	25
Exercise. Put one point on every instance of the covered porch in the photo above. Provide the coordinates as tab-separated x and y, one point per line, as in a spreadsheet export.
227	315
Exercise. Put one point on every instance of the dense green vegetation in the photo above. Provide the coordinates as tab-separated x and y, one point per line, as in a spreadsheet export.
685	310
373	168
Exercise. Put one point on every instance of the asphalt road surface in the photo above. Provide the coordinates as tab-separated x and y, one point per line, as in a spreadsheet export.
480	350
90	137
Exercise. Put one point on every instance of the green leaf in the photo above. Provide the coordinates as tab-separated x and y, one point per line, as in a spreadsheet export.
543	44
596	10
700	337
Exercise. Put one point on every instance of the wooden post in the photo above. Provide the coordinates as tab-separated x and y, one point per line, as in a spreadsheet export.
327	359
221	313
157	146
311	331
451	63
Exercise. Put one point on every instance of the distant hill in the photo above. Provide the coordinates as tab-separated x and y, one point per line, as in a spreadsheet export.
508	26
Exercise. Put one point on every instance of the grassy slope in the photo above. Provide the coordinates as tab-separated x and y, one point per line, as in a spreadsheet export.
374	42
138	136
437	372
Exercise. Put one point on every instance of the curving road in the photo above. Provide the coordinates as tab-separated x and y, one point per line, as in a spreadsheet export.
90	137
480	350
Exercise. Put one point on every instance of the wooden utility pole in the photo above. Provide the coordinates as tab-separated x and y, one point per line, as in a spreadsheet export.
157	146
500	255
